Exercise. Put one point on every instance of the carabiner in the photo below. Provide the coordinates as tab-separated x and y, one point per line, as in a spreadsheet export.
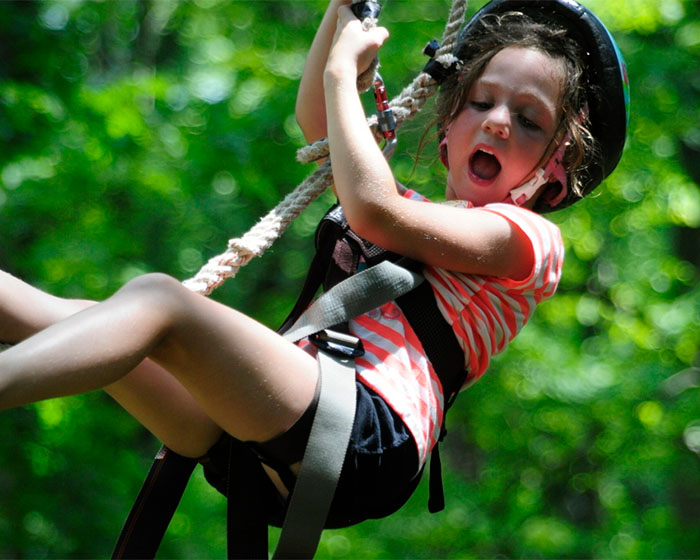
385	117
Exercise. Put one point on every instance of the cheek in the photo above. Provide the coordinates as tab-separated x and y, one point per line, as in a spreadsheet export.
531	151
458	138
460	125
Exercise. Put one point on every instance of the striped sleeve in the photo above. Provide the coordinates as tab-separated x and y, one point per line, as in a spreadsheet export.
547	245
486	312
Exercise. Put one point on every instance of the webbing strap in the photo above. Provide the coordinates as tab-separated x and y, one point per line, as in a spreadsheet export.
246	522
330	432
323	459
154	506
354	296
373	287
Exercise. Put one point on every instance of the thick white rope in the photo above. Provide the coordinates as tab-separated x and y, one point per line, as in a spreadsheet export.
413	96
260	237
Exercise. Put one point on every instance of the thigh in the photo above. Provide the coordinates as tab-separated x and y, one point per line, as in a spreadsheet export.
149	393
236	373
246	377
165	408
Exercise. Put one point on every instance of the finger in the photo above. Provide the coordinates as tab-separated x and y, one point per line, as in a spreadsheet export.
381	35
345	14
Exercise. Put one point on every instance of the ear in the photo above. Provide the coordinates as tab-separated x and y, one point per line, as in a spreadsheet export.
443	149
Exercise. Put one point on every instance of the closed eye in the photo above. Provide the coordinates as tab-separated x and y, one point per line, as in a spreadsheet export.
481	105
527	123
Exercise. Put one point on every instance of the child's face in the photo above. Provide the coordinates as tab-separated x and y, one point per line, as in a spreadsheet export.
511	114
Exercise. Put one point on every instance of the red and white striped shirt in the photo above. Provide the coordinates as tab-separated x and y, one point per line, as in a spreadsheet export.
485	312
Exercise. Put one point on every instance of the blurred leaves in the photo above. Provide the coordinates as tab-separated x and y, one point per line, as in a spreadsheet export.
140	136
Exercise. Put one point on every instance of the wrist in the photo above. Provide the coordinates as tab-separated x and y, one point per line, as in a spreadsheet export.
338	73
335	4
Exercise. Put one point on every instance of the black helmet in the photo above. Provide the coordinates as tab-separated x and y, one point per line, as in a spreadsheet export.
607	73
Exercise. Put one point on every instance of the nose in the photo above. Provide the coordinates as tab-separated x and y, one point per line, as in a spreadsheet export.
497	122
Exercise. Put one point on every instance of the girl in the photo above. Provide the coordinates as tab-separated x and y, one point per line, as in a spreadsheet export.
523	128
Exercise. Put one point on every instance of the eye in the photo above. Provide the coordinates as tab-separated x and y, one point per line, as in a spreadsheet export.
527	123
481	105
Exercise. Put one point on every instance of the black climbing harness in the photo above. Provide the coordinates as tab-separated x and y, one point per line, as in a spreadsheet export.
339	252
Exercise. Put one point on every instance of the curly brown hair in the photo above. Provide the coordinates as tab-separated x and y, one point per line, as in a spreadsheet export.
492	33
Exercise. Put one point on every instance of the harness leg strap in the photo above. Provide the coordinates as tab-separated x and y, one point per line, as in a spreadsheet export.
246	523
323	458
154	506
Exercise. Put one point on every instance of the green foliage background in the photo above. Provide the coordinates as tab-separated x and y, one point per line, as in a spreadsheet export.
140	136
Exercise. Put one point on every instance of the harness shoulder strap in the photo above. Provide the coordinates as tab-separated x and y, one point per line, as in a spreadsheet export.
418	304
354	296
447	357
335	236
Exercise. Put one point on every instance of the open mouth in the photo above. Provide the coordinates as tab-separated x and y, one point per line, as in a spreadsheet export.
484	165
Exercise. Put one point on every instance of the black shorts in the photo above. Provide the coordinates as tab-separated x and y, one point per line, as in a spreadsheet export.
379	474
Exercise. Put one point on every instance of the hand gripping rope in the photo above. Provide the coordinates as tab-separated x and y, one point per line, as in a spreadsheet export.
319	473
261	236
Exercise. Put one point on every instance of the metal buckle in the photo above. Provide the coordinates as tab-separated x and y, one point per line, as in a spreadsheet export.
339	344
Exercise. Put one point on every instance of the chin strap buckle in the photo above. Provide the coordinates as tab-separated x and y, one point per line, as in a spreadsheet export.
520	195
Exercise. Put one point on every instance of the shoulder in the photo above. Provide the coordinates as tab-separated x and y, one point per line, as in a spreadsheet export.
544	238
533	224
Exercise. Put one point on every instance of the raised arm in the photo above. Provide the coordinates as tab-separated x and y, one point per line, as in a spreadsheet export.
471	241
311	106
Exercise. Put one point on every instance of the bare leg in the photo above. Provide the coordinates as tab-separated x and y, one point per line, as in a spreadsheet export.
25	310
149	393
245	377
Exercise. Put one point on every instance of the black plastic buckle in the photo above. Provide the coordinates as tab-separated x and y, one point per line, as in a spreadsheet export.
363	10
438	72
339	344
433	68
431	48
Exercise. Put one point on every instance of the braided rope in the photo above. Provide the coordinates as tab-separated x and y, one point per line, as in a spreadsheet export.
414	96
261	236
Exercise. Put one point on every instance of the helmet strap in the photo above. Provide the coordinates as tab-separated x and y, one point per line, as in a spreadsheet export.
520	195
553	171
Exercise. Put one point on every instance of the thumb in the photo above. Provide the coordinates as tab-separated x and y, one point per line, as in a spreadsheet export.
381	35
377	36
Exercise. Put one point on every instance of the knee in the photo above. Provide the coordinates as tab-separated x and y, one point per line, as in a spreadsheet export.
154	292
153	282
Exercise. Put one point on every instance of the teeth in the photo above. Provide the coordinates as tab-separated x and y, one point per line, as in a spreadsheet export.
487	151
